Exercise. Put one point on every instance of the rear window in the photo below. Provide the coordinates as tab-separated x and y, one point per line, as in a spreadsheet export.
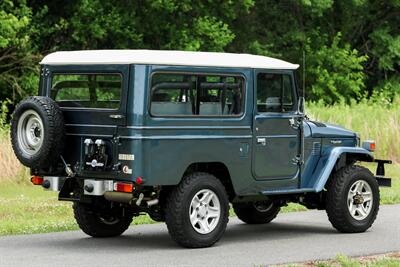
196	95
87	90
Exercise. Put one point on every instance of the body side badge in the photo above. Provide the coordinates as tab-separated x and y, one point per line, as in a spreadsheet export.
126	157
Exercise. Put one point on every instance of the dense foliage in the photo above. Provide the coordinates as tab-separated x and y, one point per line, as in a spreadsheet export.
351	47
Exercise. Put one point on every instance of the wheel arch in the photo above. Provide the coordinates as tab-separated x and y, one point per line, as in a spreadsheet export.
336	159
218	169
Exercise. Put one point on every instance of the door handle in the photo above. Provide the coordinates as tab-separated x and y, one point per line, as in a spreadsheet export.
116	116
261	141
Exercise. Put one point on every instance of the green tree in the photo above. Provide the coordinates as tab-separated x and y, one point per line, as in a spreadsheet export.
336	72
18	65
352	46
160	24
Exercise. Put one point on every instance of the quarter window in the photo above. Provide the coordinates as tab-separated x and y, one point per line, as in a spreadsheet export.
87	90
196	95
275	92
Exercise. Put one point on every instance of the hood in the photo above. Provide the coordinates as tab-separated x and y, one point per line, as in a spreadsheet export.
319	129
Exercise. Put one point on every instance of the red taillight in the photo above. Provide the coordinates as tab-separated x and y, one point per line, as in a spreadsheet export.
123	187
37	180
139	180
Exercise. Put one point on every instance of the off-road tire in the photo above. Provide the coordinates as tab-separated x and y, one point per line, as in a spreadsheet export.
248	213
178	205
90	222
53	130
336	199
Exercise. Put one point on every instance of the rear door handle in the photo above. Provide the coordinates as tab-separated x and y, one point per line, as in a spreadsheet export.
116	116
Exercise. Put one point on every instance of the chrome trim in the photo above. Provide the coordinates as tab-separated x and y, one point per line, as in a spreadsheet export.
91	135
188	127
279	136
55	182
90	125
186	137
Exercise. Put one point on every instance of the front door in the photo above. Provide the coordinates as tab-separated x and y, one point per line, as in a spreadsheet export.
277	127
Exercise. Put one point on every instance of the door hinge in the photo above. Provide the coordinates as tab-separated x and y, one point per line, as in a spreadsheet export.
297	160
116	140
295	123
45	72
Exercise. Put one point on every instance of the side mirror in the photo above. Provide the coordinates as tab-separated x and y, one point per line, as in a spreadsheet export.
300	106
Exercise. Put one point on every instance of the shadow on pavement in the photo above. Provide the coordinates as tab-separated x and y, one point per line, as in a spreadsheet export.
160	239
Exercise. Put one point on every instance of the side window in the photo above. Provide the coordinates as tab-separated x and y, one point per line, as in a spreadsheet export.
275	92
172	94
196	95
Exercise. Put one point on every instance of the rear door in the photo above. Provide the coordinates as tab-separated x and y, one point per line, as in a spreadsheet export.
277	142
93	100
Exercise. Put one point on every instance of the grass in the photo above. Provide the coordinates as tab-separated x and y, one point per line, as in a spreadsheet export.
27	209
370	120
11	169
385	260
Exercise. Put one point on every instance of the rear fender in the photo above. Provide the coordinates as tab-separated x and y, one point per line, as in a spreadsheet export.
338	157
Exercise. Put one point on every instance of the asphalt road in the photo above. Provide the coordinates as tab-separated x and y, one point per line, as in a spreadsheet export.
292	237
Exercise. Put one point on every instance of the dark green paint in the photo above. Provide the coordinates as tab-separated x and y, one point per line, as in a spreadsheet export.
165	147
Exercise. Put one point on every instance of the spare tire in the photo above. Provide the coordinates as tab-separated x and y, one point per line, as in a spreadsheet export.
37	132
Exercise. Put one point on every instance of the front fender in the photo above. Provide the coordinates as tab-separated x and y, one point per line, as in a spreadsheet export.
328	161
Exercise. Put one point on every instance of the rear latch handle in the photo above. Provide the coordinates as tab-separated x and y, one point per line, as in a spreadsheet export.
116	116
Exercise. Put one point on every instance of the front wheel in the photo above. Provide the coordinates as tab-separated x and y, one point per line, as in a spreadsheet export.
352	200
196	211
106	221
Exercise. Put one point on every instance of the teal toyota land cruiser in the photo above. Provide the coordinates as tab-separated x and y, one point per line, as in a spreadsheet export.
181	136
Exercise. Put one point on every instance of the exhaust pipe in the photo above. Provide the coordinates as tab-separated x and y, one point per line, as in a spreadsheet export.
128	198
152	202
118	197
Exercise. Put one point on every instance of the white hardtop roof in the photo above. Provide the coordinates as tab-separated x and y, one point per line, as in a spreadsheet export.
165	57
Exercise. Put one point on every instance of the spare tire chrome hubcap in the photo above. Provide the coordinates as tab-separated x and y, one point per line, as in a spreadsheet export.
30	132
205	211
360	200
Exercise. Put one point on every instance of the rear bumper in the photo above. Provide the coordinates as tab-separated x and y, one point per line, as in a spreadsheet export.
380	173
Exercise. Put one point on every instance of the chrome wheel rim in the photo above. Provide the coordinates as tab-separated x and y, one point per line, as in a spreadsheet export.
360	200
30	132
263	206
109	220
204	211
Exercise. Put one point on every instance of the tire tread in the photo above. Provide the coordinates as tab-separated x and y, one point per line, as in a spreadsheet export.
90	224
174	206
54	136
336	213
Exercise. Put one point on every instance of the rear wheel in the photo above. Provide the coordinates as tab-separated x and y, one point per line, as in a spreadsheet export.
258	212
106	221
196	211
352	200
